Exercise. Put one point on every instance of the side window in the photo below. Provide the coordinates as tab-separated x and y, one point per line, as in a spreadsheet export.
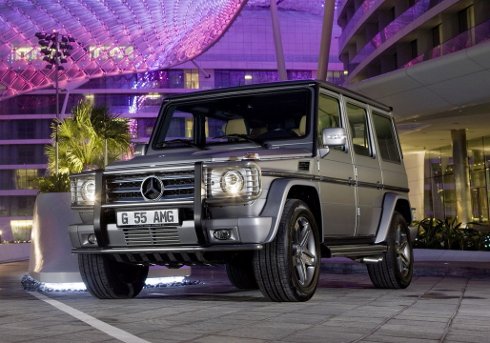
181	126
359	129
328	114
385	133
215	130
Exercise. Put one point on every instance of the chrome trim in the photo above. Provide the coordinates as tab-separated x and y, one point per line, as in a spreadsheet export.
148	186
167	185
151	204
148	170
357	250
140	179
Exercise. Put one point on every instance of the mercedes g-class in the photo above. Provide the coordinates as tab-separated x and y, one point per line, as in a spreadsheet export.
266	179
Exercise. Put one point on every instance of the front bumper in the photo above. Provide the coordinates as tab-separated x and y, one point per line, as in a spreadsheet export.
250	231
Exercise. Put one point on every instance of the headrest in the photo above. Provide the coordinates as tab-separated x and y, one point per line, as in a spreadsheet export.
236	127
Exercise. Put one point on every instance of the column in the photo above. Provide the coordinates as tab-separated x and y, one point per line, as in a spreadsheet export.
325	40
461	176
276	30
414	166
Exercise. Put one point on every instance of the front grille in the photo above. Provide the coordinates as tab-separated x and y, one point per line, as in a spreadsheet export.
178	186
144	236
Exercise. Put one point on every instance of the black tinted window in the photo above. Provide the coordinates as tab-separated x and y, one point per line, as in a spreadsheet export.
385	133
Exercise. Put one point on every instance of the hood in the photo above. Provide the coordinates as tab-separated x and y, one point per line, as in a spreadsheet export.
189	156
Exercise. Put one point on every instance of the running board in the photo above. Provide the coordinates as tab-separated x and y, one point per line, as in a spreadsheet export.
355	251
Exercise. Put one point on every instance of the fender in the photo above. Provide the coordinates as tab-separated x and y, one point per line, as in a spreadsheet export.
389	205
276	200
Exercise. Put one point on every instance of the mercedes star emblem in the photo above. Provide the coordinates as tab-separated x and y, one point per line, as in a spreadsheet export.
152	188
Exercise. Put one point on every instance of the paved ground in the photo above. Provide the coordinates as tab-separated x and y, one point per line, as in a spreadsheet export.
346	308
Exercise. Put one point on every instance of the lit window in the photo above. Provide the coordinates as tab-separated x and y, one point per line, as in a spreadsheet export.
191	78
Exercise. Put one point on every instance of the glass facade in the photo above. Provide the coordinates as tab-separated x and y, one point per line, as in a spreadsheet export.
147	80
16	206
440	193
19	178
25	129
22	154
28	104
231	78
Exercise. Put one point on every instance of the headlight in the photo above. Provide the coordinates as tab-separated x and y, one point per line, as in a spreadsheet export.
237	182
82	187
232	182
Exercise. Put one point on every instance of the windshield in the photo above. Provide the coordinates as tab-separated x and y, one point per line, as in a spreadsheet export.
250	118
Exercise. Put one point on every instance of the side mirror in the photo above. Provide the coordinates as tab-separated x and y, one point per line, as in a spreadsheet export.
140	149
334	137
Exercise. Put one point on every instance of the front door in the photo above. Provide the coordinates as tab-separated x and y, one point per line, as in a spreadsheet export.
336	173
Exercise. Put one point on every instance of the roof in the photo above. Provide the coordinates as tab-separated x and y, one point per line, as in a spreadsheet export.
292	83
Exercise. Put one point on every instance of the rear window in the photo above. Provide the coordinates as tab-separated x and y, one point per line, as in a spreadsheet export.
385	133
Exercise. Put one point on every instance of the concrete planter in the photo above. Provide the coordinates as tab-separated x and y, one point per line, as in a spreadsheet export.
51	257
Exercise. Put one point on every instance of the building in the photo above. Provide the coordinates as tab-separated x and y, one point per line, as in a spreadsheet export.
111	64
430	60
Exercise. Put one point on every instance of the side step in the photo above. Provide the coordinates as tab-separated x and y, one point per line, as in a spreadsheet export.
356	251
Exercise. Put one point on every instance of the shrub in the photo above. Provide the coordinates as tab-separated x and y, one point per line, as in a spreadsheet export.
435	233
54	183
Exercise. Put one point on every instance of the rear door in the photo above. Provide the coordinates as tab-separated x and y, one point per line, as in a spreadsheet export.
389	153
367	171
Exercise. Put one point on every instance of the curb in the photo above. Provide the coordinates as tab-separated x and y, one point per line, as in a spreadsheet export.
422	268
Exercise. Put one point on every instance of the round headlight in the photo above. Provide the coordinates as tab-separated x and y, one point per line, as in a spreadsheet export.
232	182
87	191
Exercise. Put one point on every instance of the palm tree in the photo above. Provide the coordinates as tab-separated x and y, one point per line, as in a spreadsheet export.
112	130
90	139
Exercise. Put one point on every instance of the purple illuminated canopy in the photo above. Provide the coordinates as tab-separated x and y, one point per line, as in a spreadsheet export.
112	37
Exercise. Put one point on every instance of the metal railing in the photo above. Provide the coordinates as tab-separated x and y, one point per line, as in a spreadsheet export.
464	40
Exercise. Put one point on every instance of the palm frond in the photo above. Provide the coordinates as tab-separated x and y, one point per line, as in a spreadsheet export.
82	138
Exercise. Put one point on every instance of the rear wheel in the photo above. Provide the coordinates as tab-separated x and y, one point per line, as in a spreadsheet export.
106	278
287	269
396	269
240	271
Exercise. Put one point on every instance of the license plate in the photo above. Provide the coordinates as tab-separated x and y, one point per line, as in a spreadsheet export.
151	217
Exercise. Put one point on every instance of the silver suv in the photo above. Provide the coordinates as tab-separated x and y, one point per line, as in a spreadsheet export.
265	179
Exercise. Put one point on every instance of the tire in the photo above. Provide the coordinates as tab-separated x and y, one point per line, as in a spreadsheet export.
240	271
287	269
106	278
396	269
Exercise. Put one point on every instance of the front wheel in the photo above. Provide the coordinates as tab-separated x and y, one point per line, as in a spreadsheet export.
396	269
288	268
240	271
106	278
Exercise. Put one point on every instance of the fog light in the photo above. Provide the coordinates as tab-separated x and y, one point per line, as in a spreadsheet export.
92	239
222	235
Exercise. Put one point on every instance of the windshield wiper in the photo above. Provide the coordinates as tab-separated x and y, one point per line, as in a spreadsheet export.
178	140
246	138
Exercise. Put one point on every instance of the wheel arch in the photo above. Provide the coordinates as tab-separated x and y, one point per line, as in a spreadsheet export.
392	202
283	189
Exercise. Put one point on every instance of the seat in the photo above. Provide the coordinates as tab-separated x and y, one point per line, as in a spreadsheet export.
236	127
301	130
